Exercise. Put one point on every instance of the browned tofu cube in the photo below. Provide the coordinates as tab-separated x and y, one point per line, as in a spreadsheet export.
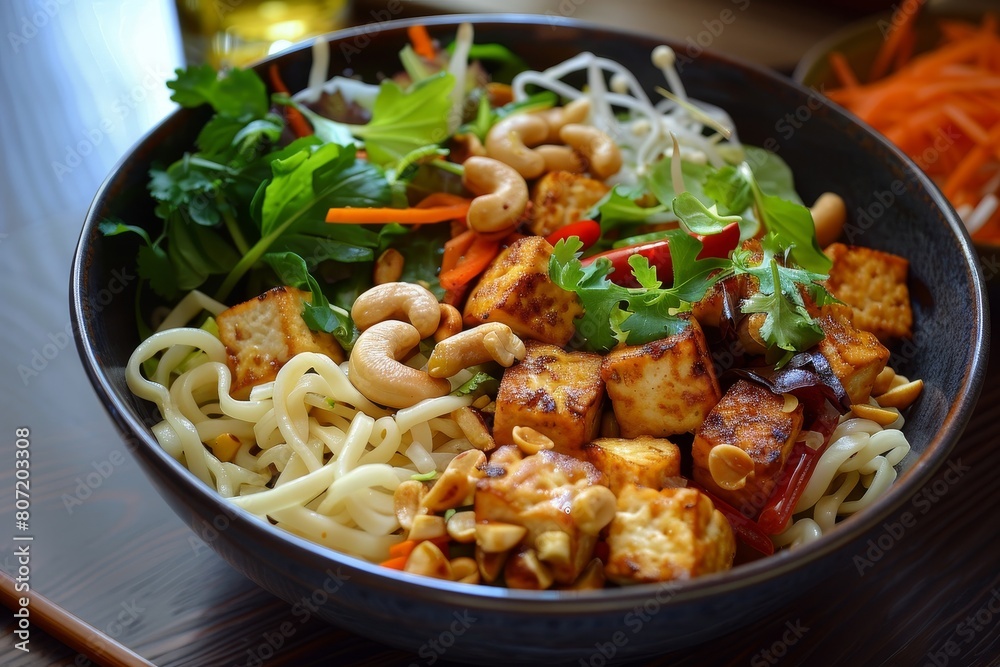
263	333
751	418
557	393
642	461
674	533
561	197
664	387
516	290
856	357
873	283
539	492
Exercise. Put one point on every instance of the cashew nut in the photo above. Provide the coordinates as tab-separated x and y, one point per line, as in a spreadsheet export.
427	527
881	416
474	428
508	141
465	570
829	214
462	527
556	117
490	563
591	579
457	482
428	559
553	546
600	150
406	502
496	536
900	397
593	508
471	145
730	466
524	570
388	267
375	369
451	322
407	302
502	194
493	341
561	158
530	441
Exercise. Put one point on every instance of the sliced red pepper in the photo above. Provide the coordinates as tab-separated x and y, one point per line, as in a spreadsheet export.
588	231
745	528
801	462
658	254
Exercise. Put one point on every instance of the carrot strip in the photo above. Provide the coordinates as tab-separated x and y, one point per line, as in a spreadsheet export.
475	260
902	21
455	248
403	549
965	123
296	121
379	216
421	41
842	69
397	563
971	163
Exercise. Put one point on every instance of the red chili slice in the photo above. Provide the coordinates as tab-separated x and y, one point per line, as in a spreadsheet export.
658	255
587	231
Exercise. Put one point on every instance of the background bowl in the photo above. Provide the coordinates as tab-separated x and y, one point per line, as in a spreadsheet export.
895	208
859	42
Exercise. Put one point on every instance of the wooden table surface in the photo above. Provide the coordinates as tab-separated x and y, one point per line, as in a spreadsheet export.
83	80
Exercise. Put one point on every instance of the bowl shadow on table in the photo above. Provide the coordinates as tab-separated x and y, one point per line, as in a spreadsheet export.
948	352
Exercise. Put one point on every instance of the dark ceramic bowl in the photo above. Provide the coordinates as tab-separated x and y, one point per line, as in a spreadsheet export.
898	210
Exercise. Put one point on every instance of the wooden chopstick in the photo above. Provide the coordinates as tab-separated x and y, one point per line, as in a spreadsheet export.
67	628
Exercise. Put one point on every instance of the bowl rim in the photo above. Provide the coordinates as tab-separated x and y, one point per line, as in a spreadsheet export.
137	434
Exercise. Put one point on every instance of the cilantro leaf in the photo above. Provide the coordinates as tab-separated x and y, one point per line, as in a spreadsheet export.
479	382
788	325
620	207
649	313
238	93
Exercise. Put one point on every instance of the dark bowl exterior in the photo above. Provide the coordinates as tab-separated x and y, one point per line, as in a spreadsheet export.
894	207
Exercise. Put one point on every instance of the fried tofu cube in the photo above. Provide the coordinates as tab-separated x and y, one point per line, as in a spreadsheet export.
516	290
538	493
642	461
557	393
262	334
751	418
664	387
562	197
856	357
674	533
873	283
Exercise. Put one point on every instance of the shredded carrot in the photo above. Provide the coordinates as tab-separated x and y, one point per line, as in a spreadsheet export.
842	68
941	107
296	121
475	260
455	248
403	549
379	216
421	41
396	563
902	22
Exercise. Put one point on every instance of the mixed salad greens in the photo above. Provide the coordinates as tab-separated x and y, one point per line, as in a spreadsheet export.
247	209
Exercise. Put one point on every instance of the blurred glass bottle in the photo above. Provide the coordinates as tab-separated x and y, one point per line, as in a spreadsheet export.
236	32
